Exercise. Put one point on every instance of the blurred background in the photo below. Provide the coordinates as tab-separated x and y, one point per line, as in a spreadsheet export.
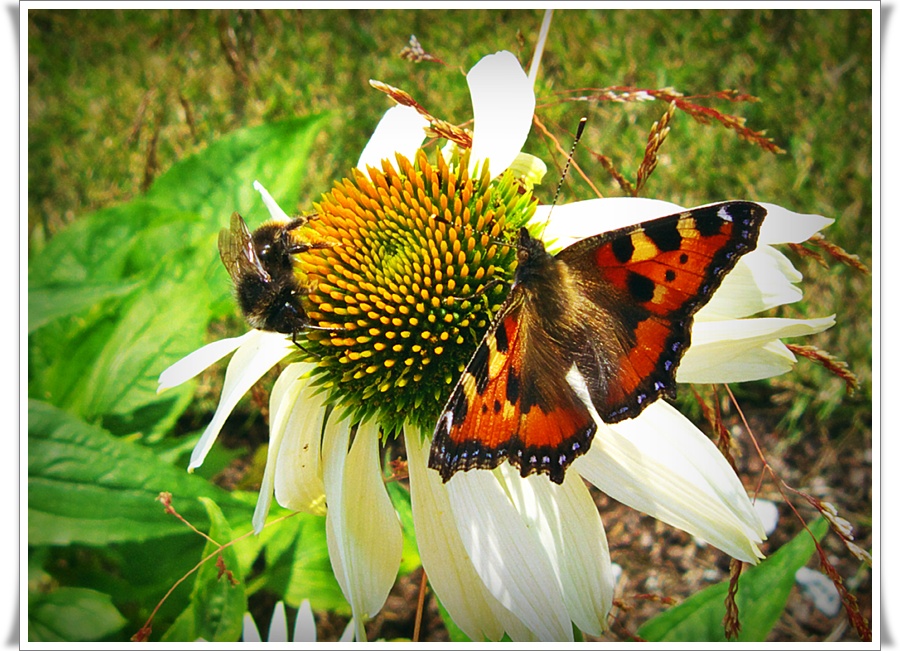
146	130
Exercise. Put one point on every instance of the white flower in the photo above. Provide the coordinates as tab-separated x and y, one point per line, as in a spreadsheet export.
507	554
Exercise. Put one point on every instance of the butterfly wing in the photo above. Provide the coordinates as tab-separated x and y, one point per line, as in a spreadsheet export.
650	280
510	404
602	327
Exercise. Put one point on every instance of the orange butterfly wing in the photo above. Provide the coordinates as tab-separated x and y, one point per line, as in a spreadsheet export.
652	278
628	298
499	411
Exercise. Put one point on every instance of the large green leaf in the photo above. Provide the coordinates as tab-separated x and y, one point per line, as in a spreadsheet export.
762	595
88	486
219	180
114	368
310	574
72	615
51	302
219	599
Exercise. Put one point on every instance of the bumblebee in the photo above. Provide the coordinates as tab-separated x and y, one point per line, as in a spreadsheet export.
261	265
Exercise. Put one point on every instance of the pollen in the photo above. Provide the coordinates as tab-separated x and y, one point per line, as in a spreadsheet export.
422	259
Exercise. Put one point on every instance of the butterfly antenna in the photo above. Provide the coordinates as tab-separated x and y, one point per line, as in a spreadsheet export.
565	171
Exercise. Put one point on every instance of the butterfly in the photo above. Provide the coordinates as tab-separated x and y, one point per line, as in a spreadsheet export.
598	328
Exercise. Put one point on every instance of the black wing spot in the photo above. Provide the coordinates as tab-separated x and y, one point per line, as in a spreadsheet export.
665	236
640	287
708	222
623	249
512	385
502	339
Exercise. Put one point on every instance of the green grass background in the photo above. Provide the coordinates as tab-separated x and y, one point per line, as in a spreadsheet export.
116	97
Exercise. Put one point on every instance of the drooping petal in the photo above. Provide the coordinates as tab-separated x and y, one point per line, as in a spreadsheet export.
742	350
401	130
259	352
364	538
299	483
293	470
567	523
305	625
761	280
449	568
782	225
503	106
661	464
508	555
200	360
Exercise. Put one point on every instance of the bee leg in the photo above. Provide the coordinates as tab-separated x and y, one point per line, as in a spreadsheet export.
308	246
310	327
301	346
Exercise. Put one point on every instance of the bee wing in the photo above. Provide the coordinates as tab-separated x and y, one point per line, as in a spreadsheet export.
237	251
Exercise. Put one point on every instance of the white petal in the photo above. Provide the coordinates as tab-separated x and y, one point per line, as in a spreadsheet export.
571	222
349	633
768	515
365	542
567	523
278	626
661	464
449	568
257	354
250	633
200	360
782	225
274	209
299	483
508	555
305	625
401	130
761	280
293	469
503	107
741	350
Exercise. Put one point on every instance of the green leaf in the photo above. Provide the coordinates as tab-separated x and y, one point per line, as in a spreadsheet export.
218	599
51	302
762	595
219	180
87	486
118	243
400	499
115	369
72	615
311	576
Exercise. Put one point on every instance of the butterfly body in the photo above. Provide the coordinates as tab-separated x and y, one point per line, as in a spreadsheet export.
595	332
